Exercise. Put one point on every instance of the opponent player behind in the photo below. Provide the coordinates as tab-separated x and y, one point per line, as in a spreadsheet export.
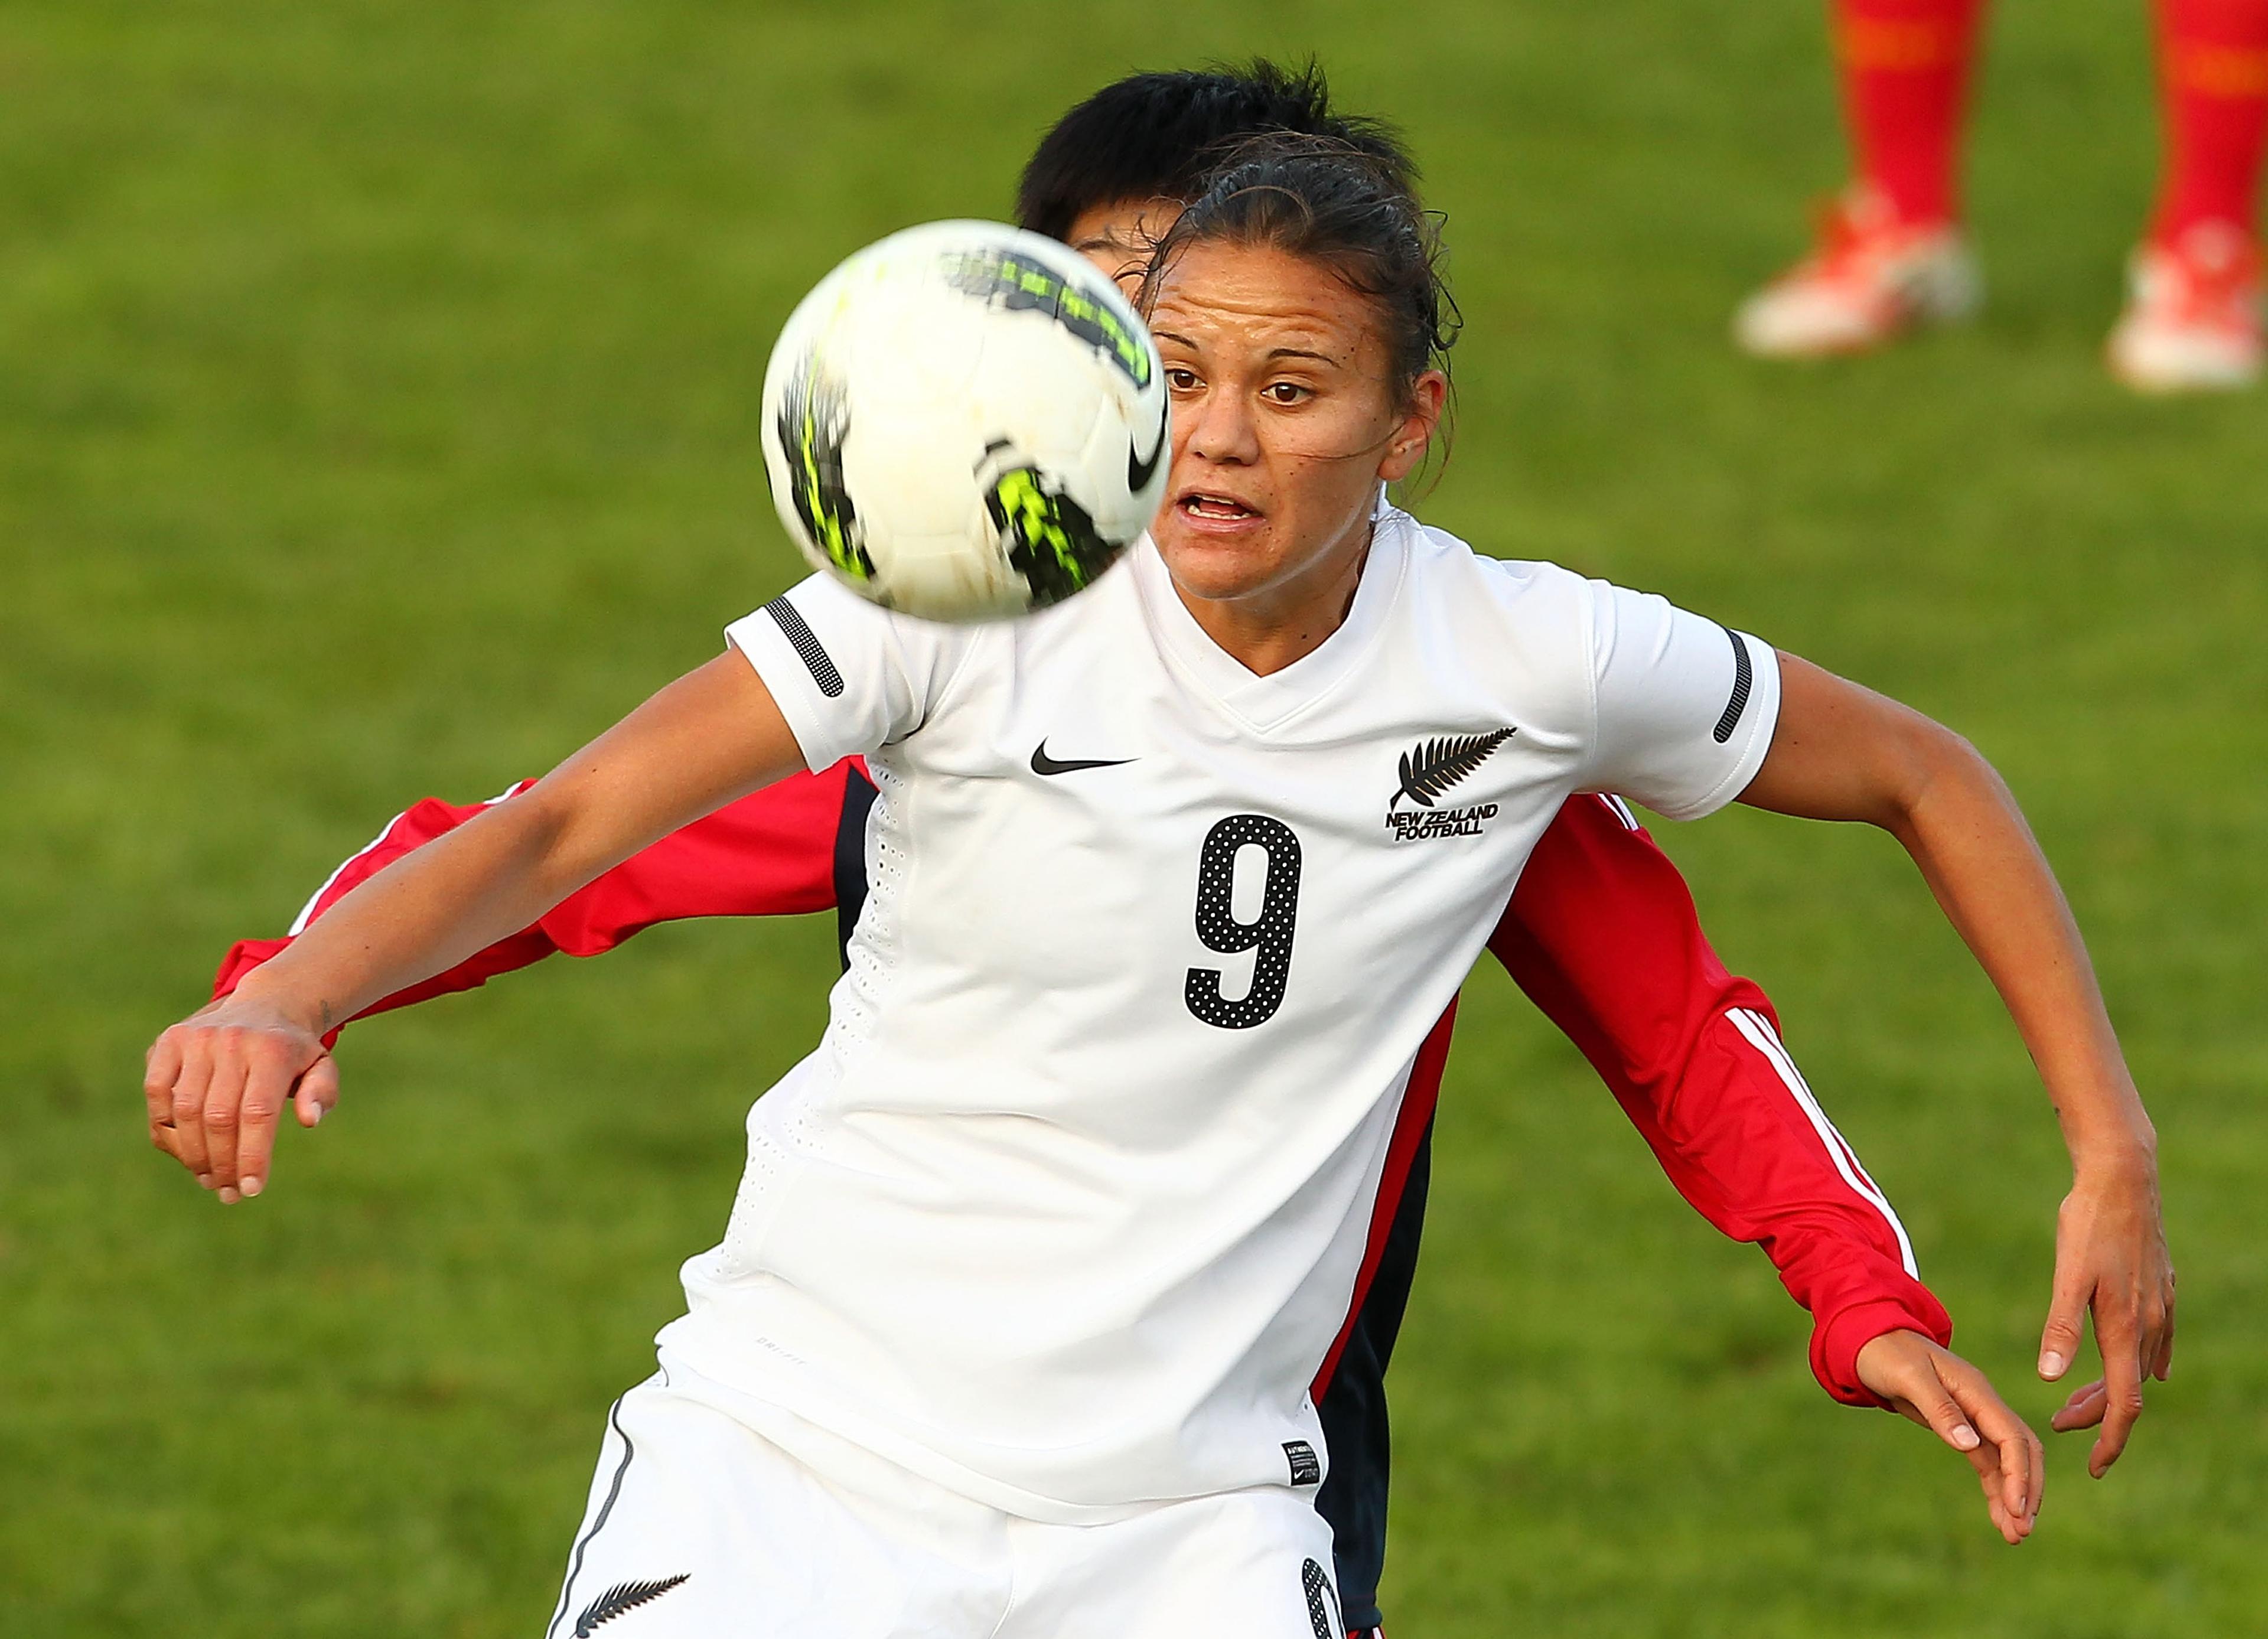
1894	256
1601	932
1031	1264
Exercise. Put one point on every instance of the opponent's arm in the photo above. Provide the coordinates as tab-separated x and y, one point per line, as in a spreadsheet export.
217	1082
1929	1385
1841	752
1603	935
772	853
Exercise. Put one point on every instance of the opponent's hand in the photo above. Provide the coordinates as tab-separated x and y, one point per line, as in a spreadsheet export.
1938	1389
216	1083
2111	1258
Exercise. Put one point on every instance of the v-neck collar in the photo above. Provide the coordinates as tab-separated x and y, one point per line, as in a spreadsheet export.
1269	702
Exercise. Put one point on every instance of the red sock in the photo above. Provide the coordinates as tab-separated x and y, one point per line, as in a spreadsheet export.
1904	65
2213	57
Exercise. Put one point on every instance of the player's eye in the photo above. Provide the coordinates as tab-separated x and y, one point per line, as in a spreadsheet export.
1180	379
1286	393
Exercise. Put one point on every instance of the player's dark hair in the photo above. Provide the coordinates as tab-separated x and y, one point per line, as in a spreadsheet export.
1158	136
1328	203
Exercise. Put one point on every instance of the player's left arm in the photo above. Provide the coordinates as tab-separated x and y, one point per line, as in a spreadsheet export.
1841	752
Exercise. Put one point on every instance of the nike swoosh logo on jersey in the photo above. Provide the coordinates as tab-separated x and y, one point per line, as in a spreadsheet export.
1043	764
1138	470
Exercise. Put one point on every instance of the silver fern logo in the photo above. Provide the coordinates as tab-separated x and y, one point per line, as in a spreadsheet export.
623	1596
1429	768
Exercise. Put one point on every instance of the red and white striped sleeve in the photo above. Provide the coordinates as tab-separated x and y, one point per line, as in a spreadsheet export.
1603	935
769	854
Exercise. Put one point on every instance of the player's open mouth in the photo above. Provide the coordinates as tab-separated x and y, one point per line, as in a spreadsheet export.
1214	509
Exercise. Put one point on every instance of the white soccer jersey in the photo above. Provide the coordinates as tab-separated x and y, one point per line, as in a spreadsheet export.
1068	1206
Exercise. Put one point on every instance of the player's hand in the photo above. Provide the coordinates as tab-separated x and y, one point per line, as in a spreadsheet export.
217	1083
1940	1391
2111	1258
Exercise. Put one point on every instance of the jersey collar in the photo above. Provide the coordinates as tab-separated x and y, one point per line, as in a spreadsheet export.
1265	704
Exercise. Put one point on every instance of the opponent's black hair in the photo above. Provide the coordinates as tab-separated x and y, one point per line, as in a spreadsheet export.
1328	200
1157	136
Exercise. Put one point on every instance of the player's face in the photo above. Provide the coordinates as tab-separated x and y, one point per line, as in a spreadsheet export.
1285	419
1117	236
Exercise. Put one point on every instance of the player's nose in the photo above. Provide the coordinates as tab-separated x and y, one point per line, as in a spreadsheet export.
1218	427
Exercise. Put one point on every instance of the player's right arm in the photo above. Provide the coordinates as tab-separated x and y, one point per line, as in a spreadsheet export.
1670	694
217	1083
779	852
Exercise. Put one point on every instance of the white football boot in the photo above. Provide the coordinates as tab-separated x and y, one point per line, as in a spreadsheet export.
2193	315
1870	279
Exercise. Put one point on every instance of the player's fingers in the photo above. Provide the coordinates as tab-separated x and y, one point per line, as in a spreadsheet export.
2156	1319
161	1067
2122	1387
318	1092
187	1115
2023	1468
2019	1457
267	1088
2161	1364
2083	1410
2019	1497
2066	1309
166	1138
223	1103
1930	1403
1988	1480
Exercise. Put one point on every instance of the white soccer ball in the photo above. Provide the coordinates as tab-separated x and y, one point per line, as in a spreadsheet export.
965	422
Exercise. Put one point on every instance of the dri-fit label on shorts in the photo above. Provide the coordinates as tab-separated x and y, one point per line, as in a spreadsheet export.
1305	1470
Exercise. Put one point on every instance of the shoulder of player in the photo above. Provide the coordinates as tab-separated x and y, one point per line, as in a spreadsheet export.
1518	630
1446	561
1506	605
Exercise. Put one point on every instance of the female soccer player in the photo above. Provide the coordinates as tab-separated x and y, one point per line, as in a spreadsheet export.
1036	1255
1601	933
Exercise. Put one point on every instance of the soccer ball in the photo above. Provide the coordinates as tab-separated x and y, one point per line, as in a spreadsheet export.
965	422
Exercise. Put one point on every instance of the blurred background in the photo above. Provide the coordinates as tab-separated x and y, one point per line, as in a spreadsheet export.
378	418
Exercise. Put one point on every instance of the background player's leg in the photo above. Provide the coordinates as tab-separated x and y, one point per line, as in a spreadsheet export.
1255	1564
1905	66
1891	256
2193	317
699	1527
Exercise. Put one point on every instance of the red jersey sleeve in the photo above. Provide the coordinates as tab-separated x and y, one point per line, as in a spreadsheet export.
1603	935
773	853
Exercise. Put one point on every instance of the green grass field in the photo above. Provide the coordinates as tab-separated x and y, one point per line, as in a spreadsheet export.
377	418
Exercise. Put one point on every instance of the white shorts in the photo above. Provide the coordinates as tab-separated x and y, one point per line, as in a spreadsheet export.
701	1528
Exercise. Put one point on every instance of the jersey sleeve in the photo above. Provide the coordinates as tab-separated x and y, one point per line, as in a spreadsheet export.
848	676
1684	709
1602	935
775	852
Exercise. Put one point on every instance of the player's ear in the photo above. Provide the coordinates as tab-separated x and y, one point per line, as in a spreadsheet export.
1421	418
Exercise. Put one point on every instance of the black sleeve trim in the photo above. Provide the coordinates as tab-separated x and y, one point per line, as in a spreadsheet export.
1743	680
797	632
